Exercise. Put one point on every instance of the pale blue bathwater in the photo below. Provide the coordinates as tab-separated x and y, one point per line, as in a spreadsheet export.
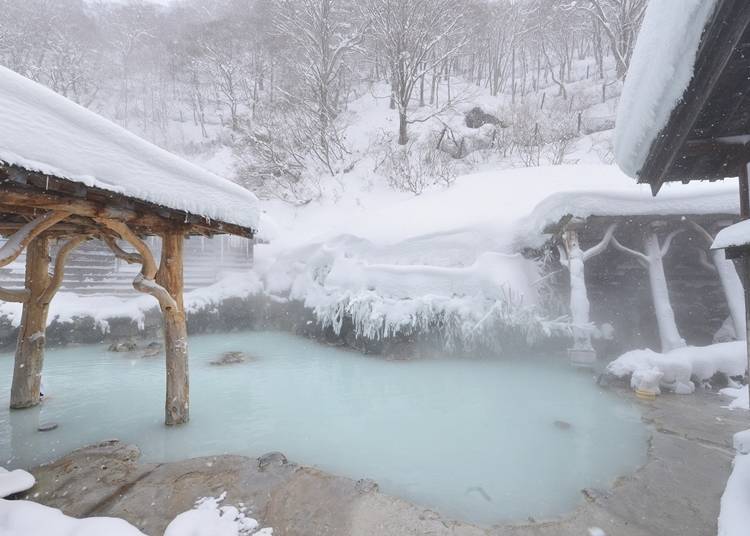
472	439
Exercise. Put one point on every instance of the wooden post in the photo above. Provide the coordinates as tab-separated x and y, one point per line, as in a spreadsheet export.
170	276
745	214
27	372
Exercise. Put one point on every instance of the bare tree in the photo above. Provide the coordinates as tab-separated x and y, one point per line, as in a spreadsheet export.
416	36
620	20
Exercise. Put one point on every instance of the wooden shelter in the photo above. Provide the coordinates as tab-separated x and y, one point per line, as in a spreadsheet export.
707	135
67	174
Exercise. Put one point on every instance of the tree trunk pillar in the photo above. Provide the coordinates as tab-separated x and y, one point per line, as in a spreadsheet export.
668	333
27	371
403	135
170	276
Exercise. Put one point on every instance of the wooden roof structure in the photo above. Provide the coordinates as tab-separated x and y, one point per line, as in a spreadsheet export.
112	202
706	137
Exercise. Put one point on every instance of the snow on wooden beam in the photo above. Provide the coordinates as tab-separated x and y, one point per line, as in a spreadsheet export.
25	190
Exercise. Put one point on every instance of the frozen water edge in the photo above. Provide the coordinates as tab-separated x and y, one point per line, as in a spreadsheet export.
437	432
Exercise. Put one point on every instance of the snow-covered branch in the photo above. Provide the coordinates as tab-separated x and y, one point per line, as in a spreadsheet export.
643	259
602	245
15	245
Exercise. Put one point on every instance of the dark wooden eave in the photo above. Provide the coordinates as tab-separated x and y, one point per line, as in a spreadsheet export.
704	138
24	192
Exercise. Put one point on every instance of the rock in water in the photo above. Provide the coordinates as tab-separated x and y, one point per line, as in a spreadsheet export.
47	426
153	349
271	458
230	358
563	425
366	485
127	346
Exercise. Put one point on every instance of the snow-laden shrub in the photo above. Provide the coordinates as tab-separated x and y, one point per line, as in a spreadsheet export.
416	166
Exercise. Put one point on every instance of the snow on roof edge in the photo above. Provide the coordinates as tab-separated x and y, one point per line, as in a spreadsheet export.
660	72
736	235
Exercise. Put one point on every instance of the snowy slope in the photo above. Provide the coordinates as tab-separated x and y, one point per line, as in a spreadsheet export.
660	71
392	261
43	131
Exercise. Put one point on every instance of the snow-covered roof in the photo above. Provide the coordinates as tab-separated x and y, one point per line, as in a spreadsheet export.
733	236
660	71
45	132
691	200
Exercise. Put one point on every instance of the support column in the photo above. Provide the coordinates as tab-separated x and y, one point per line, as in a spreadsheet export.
170	276
27	372
745	214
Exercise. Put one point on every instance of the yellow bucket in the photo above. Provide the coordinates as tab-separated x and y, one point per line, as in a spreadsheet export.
645	395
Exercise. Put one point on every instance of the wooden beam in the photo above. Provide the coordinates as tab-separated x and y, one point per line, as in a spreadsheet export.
15	296
27	189
170	277
27	371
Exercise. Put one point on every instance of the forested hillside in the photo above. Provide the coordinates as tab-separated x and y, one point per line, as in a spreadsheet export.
289	92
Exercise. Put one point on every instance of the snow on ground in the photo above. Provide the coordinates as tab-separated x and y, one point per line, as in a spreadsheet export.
739	397
680	367
734	235
27	518
46	132
734	517
660	71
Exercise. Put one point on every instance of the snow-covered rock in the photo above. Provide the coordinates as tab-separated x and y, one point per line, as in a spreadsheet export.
15	481
660	71
683	365
45	132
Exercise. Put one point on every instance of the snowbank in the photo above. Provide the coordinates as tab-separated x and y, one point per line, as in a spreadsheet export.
68	306
660	71
45	132
734	517
682	366
26	518
732	236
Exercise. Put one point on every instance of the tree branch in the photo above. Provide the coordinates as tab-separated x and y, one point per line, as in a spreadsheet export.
602	245
57	277
668	241
702	231
128	257
643	259
15	245
15	296
145	280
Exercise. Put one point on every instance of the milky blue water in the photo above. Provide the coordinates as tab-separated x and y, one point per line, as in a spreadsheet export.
473	439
